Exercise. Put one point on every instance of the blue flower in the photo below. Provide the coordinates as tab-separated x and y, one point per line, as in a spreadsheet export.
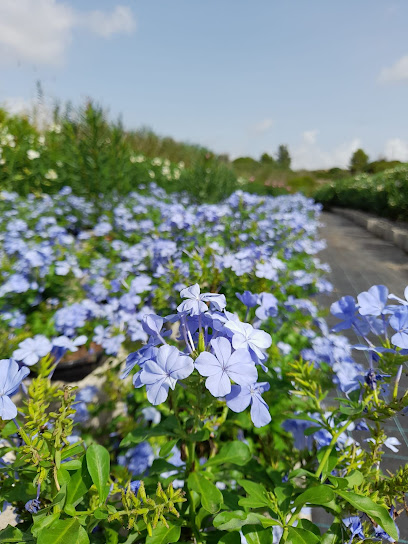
399	322
249	299
137	459
224	366
11	377
242	396
268	307
134	486
245	336
353	523
344	309
373	301
196	302
160	374
31	350
33	506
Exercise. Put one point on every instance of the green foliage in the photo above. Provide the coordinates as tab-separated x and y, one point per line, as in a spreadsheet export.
94	156
283	159
383	194
358	161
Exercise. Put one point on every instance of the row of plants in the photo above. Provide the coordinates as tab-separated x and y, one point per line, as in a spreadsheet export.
212	418
384	194
83	149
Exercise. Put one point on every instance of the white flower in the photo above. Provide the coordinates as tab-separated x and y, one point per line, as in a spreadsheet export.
32	154
51	175
391	443
151	174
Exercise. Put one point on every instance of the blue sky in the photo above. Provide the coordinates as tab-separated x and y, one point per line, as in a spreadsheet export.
238	76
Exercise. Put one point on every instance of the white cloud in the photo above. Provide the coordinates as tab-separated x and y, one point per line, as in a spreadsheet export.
39	31
396	150
309	136
106	24
310	156
396	73
263	126
16	105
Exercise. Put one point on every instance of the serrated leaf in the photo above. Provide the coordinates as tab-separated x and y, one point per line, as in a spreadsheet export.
211	496
236	452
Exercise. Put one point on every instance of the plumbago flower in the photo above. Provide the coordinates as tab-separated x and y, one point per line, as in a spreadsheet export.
11	377
216	344
31	350
162	373
224	366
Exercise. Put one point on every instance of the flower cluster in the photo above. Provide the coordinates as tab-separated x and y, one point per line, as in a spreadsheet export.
215	343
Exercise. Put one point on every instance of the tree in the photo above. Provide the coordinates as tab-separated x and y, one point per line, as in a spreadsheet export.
267	159
283	159
358	161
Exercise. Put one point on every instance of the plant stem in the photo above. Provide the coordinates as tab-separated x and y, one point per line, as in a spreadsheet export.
330	449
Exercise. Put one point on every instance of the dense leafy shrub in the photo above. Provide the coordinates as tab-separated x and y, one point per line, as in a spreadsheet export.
82	149
384	194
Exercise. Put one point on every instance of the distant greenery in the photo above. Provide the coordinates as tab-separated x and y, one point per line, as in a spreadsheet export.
84	149
384	193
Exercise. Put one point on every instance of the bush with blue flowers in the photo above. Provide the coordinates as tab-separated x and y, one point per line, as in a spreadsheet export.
223	408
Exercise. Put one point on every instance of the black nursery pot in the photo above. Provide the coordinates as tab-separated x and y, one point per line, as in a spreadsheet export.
77	366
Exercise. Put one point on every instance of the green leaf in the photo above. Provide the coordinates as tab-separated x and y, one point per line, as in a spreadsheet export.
169	427
63	476
340	483
98	463
319	494
167	447
330	463
230	521
211	496
257	495
256	535
235	452
230	538
111	536
43	521
200	436
78	485
13	534
67	531
296	535
309	526
334	535
355	478
162	535
72	450
75	464
378	513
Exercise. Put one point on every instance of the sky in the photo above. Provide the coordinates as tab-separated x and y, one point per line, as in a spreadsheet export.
237	76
